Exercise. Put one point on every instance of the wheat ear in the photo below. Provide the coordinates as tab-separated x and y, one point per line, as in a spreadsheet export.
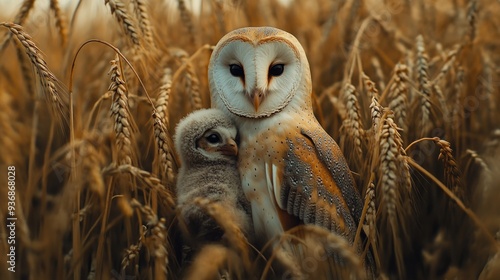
149	180
164	145
187	20
208	262
191	80
26	68
233	232
56	97
162	101
61	21
144	23
193	87
472	19
120	113
352	124
398	92
131	254
20	19
378	72
394	181
451	57
92	163
339	252
451	172
424	85
155	239
376	113
371	219
118	9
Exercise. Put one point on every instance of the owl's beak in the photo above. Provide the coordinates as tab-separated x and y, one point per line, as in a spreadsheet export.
257	96
229	149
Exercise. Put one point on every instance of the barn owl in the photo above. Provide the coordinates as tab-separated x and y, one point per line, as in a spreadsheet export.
205	141
292	171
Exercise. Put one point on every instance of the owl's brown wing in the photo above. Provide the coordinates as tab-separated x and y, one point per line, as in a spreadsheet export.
316	184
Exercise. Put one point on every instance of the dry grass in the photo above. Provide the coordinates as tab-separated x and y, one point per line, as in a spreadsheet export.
410	89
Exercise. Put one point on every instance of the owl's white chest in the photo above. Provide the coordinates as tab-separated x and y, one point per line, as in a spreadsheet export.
262	146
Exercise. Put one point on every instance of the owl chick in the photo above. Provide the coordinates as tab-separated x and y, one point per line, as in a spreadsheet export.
205	141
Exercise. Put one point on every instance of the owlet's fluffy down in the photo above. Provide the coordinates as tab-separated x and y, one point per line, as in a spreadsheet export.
205	141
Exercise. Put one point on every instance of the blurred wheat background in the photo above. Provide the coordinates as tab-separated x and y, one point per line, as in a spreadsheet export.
409	89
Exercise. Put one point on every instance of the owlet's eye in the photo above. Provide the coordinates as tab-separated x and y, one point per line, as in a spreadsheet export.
213	138
276	70
236	70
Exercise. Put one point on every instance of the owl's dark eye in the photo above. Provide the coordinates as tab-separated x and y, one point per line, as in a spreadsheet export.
276	70
236	70
213	138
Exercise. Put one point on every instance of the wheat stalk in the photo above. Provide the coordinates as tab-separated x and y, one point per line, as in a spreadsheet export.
61	21
192	84
220	13
378	72
187	21
20	19
487	81
472	19
352	123
151	181
442	101
371	219
208	262
131	254
128	26
480	225
233	232
370	86
11	136
346	261
155	240
424	85
159	250
451	57
398	92
55	97
144	22
120	113
394	182
193	87
162	101
92	164
485	172
477	159
165	149
376	113
458	111
451	172
390	144
353	11
337	243
26	68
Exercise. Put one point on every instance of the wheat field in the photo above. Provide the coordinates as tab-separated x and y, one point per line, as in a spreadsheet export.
91	91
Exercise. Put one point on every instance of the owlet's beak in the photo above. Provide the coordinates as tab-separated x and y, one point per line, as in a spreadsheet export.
229	149
256	97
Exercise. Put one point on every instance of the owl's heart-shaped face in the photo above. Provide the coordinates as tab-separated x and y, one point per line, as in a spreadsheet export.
256	72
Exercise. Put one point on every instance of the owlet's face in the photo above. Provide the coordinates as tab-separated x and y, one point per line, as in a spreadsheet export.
255	72
218	143
206	136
